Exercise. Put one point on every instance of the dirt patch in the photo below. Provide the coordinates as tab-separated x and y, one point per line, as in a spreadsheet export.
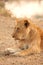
36	59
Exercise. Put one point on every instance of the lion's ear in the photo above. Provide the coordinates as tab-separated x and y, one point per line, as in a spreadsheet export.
26	23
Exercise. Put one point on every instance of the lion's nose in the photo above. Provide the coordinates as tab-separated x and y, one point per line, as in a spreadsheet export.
15	36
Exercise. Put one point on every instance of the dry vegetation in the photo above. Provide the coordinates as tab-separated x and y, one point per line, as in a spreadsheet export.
3	12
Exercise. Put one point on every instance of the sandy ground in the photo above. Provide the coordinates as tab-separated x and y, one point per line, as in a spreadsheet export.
6	41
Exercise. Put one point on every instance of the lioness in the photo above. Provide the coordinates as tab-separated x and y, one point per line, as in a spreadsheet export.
29	37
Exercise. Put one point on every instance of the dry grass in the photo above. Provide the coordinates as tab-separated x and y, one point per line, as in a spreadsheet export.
4	12
1	4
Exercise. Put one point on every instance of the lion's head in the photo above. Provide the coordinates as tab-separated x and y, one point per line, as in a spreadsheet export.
22	29
26	33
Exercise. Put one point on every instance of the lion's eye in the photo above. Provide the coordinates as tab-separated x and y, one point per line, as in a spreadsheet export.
26	23
18	28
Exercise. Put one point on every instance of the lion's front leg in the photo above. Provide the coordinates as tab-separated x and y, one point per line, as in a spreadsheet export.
24	52
29	51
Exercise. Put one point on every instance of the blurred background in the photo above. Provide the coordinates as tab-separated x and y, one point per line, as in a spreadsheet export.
19	6
23	8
